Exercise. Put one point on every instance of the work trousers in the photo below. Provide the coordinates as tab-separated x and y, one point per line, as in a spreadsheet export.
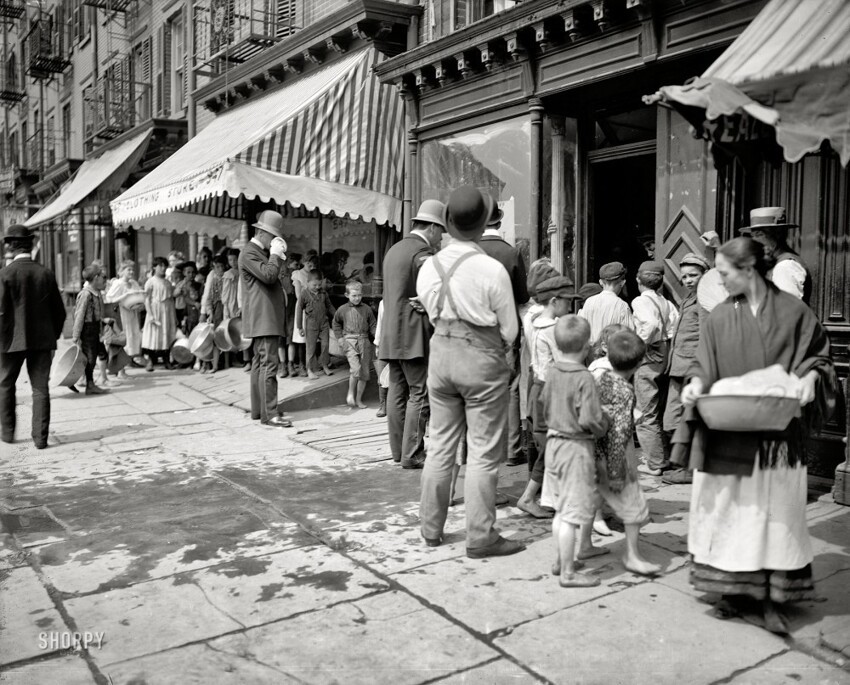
468	389
407	408
264	365
38	368
89	343
653	443
514	446
314	335
540	430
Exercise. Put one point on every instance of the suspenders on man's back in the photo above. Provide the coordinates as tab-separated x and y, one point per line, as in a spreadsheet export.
445	278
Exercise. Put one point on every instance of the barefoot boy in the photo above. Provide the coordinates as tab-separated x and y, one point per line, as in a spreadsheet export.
575	420
312	314
354	327
616	464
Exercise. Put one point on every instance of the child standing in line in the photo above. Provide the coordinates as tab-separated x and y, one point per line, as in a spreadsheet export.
354	327
575	420
212	306
160	326
616	463
556	295
313	313
88	320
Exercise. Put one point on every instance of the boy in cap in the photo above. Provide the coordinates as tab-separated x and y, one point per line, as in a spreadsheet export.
468	297
556	295
575	420
88	320
607	307
683	350
655	320
354	326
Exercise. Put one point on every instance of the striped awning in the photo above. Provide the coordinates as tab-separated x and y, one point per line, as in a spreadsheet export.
790	69
332	141
101	175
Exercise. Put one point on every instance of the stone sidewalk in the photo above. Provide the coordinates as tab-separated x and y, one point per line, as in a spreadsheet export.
201	547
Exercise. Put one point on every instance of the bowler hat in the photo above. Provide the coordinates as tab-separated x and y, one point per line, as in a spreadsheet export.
432	212
18	232
467	212
765	219
651	268
495	216
557	286
612	271
692	259
270	221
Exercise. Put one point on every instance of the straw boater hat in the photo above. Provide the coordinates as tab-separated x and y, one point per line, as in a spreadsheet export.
270	221
765	219
467	213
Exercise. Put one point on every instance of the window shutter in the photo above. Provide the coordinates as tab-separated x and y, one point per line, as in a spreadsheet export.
163	77
286	18
184	85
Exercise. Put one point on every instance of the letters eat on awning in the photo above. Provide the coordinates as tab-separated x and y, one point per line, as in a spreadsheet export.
333	140
790	69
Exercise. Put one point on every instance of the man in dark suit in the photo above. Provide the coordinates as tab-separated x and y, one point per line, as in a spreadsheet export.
264	313
508	256
405	332
31	318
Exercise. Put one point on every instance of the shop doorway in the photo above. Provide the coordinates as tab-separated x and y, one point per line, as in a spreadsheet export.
621	209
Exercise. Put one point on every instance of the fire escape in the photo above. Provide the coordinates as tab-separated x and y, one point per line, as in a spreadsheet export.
44	49
12	89
236	30
115	103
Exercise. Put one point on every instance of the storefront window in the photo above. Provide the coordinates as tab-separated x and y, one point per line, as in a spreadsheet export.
496	159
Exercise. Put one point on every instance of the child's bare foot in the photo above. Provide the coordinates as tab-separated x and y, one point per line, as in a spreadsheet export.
641	566
327	370
361	405
350	401
577	580
589	552
312	376
533	509
556	566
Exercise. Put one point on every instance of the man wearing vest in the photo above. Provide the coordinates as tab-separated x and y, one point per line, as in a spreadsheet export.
405	331
469	300
509	257
655	320
788	272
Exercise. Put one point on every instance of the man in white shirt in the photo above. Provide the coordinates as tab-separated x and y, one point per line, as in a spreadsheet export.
469	300
769	227
655	320
607	307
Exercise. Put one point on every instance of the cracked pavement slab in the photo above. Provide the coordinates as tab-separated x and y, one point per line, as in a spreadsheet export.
210	549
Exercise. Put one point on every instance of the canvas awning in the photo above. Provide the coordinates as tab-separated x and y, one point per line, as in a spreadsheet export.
790	69
102	174
333	140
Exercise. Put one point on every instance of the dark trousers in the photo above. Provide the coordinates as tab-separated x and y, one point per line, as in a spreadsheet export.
514	423
89	342
537	465
407	408
264	378
38	368
314	334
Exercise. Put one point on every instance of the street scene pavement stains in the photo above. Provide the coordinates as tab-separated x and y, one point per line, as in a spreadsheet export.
236	554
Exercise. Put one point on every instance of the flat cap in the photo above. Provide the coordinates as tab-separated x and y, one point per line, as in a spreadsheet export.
693	259
538	272
652	268
612	271
589	290
555	287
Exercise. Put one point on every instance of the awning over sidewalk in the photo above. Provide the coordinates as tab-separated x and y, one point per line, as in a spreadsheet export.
789	69
332	140
102	173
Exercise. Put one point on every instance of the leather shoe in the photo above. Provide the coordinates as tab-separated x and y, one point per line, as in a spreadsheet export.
501	548
41	445
433	542
413	464
278	422
518	460
678	477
